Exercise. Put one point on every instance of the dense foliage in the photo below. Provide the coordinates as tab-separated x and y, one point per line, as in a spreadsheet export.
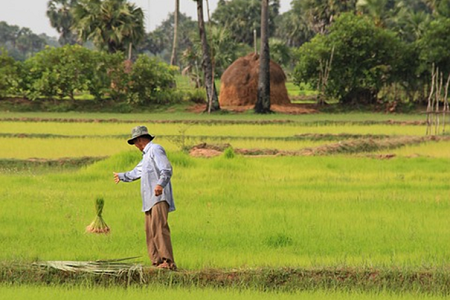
21	42
380	50
112	25
8	73
364	59
59	73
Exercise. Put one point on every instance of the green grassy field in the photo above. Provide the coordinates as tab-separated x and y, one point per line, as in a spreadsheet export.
43	293
313	212
243	212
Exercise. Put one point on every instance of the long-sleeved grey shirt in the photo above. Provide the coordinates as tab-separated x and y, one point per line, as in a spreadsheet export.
153	169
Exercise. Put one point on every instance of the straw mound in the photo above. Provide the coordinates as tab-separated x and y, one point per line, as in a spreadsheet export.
239	83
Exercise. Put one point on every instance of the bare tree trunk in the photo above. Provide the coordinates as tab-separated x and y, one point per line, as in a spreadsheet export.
445	108
173	58
213	101
324	74
262	105
430	101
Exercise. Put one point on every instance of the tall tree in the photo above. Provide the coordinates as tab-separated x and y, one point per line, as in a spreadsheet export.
213	100
9	34
319	14
160	41
241	17
113	25
292	27
175	33
59	13
262	105
379	10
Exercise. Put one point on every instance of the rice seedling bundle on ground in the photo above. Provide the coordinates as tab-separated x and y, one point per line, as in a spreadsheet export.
98	225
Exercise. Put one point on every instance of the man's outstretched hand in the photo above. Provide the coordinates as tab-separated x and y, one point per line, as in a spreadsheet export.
116	177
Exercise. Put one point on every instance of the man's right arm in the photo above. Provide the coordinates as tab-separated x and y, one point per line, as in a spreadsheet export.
130	175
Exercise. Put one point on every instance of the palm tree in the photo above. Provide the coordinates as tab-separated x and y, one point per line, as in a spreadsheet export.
113	25
173	58
58	11
262	105
319	14
213	100
380	10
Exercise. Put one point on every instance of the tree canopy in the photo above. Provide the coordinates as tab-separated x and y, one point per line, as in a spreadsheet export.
112	25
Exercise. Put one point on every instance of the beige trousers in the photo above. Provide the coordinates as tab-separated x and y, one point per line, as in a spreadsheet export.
157	231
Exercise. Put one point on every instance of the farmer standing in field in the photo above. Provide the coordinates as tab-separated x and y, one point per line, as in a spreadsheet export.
155	172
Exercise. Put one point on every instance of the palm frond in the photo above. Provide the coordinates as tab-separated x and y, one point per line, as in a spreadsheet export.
113	267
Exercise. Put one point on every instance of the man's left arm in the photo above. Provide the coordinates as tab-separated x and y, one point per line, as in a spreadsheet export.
163	165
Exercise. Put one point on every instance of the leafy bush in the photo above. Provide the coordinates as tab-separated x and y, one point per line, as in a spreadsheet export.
149	78
8	73
365	58
58	72
196	96
63	72
435	46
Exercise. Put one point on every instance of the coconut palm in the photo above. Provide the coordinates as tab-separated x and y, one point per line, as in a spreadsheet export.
262	105
378	10
112	25
173	58
241	17
58	11
213	101
319	14
411	25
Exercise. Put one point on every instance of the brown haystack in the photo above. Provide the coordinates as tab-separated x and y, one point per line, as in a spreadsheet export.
239	83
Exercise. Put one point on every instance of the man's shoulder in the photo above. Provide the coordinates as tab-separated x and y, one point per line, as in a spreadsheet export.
156	148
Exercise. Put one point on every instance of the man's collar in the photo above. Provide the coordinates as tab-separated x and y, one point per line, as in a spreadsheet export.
146	148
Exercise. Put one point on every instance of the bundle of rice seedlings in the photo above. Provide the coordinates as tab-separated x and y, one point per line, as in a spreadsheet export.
98	225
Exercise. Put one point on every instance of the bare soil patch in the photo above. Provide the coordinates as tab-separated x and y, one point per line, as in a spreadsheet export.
352	146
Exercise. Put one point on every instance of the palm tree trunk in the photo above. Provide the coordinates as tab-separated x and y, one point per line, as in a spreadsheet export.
173	58
213	101
262	105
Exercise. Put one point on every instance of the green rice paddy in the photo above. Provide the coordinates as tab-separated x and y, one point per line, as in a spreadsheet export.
311	212
43	293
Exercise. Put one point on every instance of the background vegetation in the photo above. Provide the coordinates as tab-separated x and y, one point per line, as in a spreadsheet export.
377	52
350	205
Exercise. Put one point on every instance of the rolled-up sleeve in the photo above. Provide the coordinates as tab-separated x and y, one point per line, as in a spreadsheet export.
163	165
133	174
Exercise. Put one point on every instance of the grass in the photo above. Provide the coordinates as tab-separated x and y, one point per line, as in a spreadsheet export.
62	139
430	149
59	148
341	212
243	212
224	129
158	292
168	115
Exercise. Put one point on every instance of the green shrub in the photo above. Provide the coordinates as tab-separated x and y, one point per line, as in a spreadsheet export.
150	80
58	72
196	96
229	153
8	73
365	58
